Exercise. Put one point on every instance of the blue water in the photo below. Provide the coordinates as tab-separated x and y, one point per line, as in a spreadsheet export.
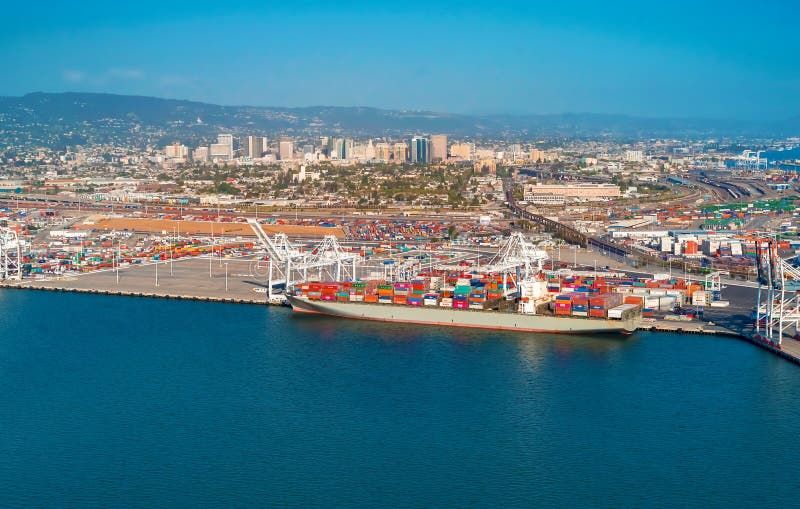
783	155
125	402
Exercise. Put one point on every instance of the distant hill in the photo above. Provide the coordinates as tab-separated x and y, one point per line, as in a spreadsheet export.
71	118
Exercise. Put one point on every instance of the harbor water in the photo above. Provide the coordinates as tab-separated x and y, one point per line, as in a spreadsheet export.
132	402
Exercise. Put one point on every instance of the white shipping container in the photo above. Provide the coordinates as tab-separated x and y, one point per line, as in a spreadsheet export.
658	291
652	302
616	312
666	302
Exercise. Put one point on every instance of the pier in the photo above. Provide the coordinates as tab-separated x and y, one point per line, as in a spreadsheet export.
215	280
237	280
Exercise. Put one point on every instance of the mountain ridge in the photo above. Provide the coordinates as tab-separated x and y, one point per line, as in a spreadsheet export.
44	117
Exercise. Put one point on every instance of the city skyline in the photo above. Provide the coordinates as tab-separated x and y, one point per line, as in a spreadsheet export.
478	58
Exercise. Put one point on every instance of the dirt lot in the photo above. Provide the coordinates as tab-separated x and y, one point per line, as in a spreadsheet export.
205	227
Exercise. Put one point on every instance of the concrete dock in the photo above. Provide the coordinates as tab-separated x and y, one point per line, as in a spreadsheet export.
191	279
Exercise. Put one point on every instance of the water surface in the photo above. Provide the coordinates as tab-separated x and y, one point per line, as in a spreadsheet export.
126	402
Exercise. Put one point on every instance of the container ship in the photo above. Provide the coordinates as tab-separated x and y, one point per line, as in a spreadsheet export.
482	303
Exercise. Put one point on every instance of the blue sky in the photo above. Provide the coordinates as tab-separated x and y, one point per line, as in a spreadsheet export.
673	58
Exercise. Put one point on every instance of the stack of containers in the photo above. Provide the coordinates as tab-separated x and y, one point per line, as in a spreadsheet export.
461	295
563	305
580	303
446	301
385	293
418	288
493	290
600	304
431	299
329	291
477	297
401	291
357	292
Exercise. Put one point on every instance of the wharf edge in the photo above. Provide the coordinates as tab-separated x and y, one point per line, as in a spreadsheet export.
656	326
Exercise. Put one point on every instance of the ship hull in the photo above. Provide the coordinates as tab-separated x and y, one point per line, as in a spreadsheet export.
449	317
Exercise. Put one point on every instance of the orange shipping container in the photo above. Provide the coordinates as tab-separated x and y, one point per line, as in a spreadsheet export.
634	299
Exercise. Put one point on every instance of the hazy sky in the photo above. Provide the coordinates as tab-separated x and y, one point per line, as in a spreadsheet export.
669	58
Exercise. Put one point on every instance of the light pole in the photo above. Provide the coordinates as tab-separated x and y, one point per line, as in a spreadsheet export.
226	276
119	255
156	272
171	260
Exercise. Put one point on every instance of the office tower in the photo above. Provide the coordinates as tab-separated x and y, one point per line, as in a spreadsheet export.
225	139
420	150
256	145
286	149
462	150
369	151
223	148
200	154
383	151
400	152
438	147
536	155
176	151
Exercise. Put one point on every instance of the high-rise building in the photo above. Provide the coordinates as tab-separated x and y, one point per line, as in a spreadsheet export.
536	156
420	150
220	151
338	148
200	154
256	146
438	147
399	152
462	150
383	151
225	139
223	148
286	149
176	151
369	151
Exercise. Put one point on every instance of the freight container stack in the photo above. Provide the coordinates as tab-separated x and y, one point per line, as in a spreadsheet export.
563	305
600	304
580	303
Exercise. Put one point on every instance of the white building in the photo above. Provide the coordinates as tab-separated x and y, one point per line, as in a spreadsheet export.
634	156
